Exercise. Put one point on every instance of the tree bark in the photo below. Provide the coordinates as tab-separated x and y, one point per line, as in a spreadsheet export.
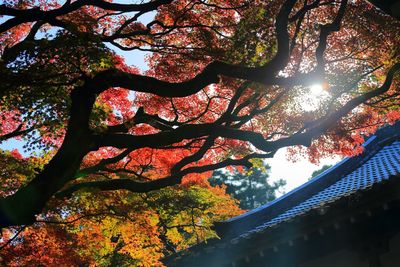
21	207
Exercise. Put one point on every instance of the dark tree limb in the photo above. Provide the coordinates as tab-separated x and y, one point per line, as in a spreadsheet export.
21	16
17	132
21	207
326	30
390	7
143	187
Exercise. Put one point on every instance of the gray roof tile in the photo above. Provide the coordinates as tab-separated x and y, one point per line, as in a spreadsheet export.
380	160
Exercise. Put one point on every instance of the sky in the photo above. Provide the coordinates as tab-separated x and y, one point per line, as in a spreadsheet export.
294	173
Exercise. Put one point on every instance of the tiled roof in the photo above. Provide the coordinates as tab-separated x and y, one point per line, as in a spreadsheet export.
378	168
380	160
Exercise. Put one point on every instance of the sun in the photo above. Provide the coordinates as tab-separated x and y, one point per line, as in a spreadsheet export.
317	89
314	96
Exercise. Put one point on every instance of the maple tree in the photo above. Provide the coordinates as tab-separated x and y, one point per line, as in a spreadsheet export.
228	82
110	228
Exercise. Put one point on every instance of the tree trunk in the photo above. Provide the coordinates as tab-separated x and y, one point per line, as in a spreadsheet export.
21	207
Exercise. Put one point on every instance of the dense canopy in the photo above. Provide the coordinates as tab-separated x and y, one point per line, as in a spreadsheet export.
123	155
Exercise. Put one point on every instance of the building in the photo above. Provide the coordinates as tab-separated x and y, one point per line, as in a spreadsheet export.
347	216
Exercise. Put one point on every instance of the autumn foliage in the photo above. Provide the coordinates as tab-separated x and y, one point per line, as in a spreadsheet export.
116	159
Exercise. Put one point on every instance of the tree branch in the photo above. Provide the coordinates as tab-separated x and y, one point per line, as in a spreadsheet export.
21	16
143	187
